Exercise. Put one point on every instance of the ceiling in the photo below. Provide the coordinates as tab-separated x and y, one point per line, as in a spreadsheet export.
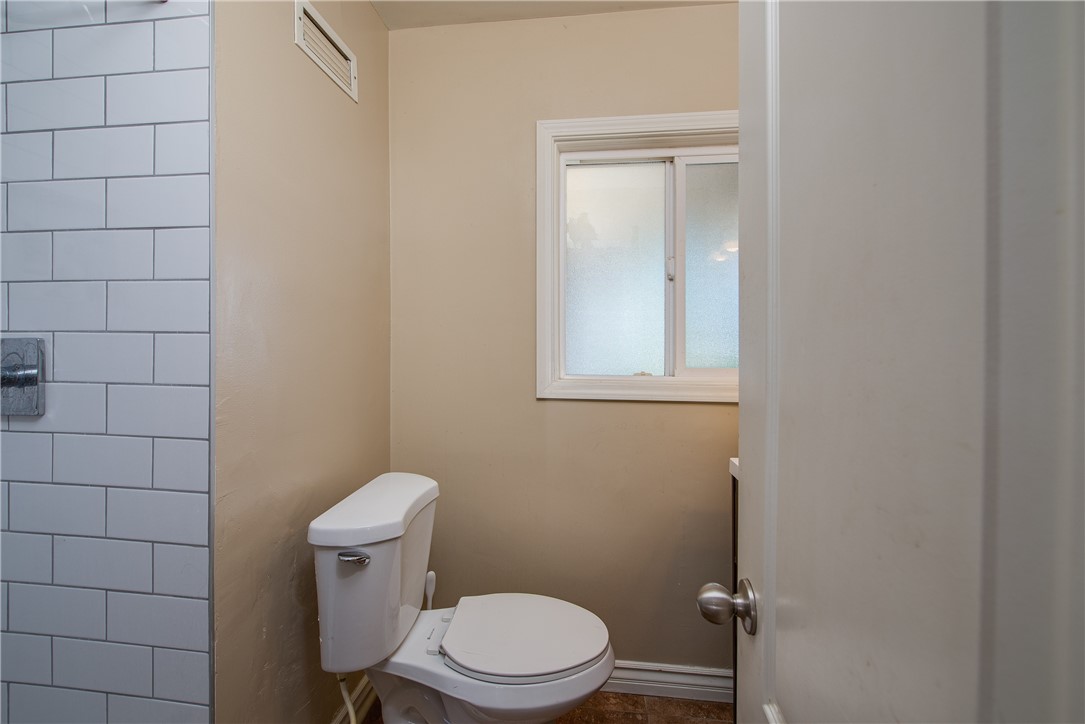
400	14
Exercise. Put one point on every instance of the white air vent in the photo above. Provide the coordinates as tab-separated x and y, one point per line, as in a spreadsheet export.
313	35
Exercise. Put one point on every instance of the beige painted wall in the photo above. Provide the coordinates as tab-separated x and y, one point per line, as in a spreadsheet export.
621	507
302	294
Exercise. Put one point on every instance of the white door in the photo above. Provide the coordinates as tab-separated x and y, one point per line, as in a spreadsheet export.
910	507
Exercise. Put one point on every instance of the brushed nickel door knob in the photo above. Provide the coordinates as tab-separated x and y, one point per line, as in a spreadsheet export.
719	606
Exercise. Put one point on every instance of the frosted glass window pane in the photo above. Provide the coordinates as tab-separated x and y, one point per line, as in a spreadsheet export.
614	269
712	265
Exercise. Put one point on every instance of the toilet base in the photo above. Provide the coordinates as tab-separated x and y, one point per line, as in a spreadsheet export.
408	702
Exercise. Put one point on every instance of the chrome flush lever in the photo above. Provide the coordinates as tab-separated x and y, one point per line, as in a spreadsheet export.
358	558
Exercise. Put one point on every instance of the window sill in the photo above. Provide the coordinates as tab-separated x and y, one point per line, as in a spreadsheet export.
657	389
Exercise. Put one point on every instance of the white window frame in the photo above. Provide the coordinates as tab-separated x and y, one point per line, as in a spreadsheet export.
627	137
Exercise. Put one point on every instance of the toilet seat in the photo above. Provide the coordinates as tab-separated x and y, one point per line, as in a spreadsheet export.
522	638
418	665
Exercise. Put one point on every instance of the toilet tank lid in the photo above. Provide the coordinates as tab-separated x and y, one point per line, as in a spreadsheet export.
379	510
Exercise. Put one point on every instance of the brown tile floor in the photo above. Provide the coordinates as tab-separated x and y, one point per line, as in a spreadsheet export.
607	708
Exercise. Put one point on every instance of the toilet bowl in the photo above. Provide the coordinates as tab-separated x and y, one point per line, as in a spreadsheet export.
506	657
424	682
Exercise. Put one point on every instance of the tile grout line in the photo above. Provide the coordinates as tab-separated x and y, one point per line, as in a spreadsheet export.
107	23
123	176
5	108
85	280
102	126
164	227
105	606
92	589
122	74
105	208
108	694
103	434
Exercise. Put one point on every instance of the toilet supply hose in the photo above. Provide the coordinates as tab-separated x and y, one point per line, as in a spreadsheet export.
431	585
346	700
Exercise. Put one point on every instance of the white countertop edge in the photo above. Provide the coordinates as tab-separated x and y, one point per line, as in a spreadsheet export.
736	469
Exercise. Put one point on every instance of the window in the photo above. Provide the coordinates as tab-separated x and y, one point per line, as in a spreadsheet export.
638	258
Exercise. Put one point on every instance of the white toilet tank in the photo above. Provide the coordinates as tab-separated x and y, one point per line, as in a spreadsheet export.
367	608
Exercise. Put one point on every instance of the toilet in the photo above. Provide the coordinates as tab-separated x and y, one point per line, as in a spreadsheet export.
503	657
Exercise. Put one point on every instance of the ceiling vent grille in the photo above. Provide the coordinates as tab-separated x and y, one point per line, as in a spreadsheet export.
313	35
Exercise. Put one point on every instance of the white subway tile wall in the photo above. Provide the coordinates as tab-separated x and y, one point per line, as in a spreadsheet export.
181	148
180	675
177	623
109	254
177	357
182	253
26	557
180	43
160	306
102	460
157	515
157	97
27	157
100	563
102	666
67	509
158	201
105	254
130	710
181	464
26	456
27	56
52	104
26	257
158	411
59	14
56	205
51	704
95	152
180	570
56	610
26	659
103	49
97	357
57	305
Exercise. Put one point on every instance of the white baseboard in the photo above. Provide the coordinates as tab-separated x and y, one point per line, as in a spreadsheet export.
362	698
679	682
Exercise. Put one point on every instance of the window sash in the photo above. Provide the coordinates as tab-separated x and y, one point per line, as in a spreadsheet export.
676	160
679	286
